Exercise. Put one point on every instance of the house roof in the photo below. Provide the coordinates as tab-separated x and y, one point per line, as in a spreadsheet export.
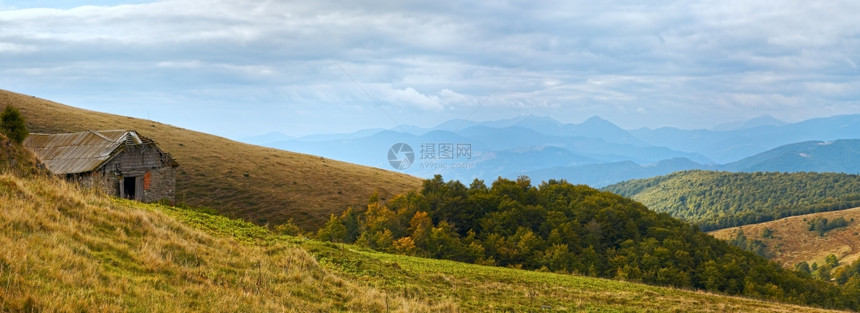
81	152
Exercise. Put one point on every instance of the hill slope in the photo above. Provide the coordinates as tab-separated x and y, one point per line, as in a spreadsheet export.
720	199
65	249
262	185
791	241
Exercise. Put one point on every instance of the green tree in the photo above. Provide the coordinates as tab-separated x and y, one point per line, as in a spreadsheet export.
712	276
802	267
12	124
419	228
381	240
333	231
444	243
289	228
823	272
352	225
558	258
831	260
405	245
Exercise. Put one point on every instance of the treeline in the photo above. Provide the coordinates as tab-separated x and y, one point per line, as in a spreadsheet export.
823	272
564	228
822	225
715	200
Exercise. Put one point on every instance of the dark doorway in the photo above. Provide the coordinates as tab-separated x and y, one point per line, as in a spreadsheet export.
129	187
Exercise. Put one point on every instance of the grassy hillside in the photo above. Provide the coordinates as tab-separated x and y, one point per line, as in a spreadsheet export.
262	185
791	241
716	200
16	160
67	249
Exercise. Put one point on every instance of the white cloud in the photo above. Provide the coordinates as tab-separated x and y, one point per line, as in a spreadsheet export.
410	97
6	47
642	64
453	98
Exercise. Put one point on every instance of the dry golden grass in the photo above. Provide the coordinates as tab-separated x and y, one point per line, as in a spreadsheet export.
63	249
15	159
792	242
258	184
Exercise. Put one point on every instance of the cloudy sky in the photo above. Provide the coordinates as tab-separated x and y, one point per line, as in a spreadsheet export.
240	68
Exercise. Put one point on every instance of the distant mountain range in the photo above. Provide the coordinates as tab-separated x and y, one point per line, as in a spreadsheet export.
732	145
839	156
595	152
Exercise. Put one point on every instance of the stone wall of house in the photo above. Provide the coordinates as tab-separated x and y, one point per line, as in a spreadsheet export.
159	184
105	183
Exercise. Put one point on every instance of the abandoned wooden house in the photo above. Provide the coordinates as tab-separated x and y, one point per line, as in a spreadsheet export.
119	162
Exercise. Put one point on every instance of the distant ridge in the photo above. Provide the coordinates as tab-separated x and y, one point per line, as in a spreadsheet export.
764	120
596	151
733	145
839	156
527	145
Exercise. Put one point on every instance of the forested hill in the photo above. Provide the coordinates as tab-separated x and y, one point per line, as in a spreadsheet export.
565	228
715	200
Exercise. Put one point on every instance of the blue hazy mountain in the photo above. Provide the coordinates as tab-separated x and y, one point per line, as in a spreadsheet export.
594	127
514	137
596	151
599	175
507	151
764	120
840	156
597	127
733	145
